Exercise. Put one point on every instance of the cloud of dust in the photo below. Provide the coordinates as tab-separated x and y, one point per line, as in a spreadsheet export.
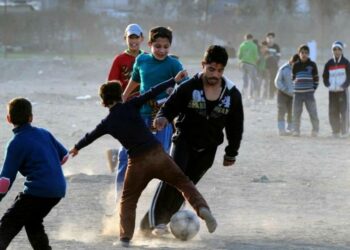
72	231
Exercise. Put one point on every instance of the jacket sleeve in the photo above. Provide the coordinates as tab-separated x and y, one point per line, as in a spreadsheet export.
175	104
325	75
60	149
12	163
279	80
347	81
315	75
100	130
234	125
114	73
152	93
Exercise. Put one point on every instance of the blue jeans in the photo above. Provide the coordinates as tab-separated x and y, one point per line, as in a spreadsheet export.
310	103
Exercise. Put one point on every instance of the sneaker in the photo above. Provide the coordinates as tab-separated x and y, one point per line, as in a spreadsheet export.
284	133
125	242
335	135
112	159
160	230
206	215
345	135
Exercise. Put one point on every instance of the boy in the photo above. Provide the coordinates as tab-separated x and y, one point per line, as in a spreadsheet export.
121	71
38	156
204	106
284	85
272	61
248	55
147	158
150	69
305	82
336	77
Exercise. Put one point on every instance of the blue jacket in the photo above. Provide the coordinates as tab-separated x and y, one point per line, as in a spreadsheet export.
37	155
283	80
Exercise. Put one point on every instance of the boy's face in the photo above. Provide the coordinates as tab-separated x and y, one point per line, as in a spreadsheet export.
212	72
337	52
133	42
270	40
304	55
160	48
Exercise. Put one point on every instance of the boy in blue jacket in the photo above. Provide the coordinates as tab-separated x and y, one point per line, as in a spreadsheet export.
38	156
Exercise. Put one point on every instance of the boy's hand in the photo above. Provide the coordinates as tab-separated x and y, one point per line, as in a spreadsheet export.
181	75
73	152
160	123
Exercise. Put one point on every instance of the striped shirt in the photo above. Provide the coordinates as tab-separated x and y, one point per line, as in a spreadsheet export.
305	76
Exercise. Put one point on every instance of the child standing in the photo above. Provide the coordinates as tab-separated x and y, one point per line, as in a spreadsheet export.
147	158
121	71
284	85
150	69
336	77
305	80
38	156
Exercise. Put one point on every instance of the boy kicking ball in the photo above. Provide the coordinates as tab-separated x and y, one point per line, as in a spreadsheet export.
147	158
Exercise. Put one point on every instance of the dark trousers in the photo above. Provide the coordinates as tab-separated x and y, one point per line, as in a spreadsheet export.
167	200
154	163
29	212
284	107
309	99
339	112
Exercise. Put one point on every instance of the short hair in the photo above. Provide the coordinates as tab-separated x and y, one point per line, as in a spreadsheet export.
111	92
19	110
248	36
264	43
303	47
294	58
270	34
217	54
162	32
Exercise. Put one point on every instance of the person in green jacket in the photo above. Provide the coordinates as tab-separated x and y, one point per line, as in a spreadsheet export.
248	55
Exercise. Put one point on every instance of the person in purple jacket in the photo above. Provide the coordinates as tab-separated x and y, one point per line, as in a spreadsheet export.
147	158
38	156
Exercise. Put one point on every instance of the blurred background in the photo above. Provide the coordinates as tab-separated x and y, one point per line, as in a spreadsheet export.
83	27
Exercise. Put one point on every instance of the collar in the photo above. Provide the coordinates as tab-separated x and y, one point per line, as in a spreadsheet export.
21	128
339	59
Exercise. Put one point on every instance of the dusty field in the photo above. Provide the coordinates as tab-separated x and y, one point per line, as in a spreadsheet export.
283	193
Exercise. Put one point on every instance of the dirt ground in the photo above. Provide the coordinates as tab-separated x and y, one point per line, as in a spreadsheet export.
282	193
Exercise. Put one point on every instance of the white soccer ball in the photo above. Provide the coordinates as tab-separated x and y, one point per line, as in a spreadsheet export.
184	225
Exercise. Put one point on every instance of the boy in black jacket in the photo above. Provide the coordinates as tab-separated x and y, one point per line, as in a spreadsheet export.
204	106
147	158
336	77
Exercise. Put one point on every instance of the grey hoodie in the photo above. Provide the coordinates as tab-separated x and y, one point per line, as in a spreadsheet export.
283	80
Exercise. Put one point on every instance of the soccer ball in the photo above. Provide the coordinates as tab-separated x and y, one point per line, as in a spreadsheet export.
184	225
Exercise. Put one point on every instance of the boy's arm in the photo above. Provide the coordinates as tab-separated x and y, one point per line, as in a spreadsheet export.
90	137
325	75
347	81
294	71
114	73
12	163
315	75
278	79
234	129
61	150
132	85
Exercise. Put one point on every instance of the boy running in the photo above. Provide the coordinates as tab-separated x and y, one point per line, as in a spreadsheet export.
147	158
38	156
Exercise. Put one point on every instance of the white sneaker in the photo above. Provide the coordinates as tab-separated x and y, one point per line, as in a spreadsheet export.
112	159
206	215
160	230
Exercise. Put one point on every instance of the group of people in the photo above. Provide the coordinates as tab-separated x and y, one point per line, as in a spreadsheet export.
152	103
259	65
297	81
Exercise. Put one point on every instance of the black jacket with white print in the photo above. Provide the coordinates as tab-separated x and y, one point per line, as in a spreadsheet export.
198	127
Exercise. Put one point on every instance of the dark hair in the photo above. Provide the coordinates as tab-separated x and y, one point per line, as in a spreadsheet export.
270	34
294	58
19	110
303	47
264	43
217	54
111	92
162	32
248	36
